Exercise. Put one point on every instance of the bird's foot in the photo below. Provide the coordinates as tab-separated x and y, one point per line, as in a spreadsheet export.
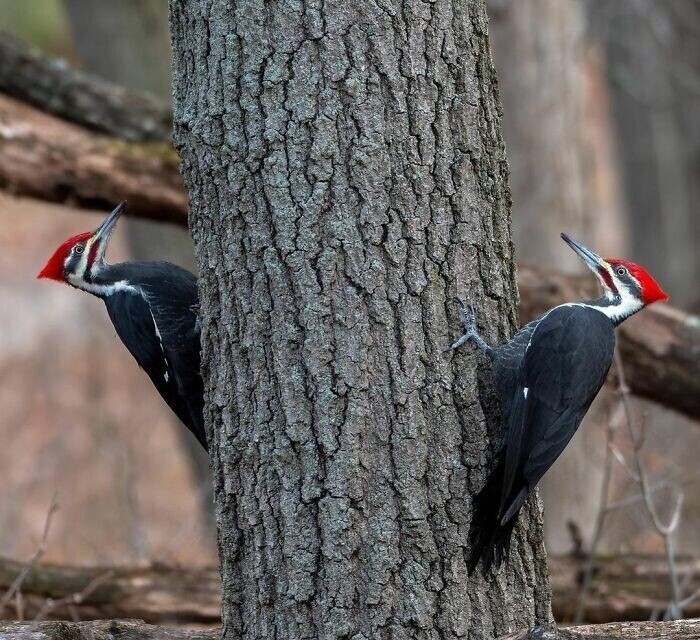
467	318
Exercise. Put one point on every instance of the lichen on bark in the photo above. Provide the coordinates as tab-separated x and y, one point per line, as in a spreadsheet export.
347	179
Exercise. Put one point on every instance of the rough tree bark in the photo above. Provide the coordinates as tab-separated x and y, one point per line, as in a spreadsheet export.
347	179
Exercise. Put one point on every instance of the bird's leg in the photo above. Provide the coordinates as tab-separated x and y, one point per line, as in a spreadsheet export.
467	316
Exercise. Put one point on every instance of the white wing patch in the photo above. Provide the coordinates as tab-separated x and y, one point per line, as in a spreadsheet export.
160	341
525	390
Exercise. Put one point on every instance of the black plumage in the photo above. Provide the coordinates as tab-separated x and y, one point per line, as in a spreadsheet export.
155	316
547	376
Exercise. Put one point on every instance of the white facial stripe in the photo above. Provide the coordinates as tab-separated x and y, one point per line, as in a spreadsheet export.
628	303
86	256
102	289
81	269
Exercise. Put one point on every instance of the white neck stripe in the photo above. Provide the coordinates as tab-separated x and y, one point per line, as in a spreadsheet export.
103	290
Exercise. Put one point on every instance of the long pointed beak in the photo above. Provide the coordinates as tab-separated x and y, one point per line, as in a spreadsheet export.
102	232
593	260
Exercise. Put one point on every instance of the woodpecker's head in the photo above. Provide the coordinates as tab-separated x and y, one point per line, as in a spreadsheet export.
80	257
627	286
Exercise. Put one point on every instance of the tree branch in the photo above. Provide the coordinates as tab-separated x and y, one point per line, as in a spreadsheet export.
631	587
53	86
677	630
50	159
137	630
156	594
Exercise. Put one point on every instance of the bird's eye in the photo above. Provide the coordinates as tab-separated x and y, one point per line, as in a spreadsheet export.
621	271
78	248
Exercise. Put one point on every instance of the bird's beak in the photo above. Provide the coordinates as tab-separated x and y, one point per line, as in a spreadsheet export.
593	260
102	233
105	229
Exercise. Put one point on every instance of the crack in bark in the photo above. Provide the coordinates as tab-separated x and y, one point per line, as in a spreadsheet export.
347	179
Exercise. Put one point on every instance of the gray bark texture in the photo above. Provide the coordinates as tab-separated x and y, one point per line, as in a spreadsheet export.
347	179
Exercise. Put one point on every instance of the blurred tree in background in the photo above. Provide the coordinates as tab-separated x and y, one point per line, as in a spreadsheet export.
653	56
128	42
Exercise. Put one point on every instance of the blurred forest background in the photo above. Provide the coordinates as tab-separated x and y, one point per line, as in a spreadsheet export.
600	103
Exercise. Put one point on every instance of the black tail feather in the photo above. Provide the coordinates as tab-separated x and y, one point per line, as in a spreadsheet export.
489	539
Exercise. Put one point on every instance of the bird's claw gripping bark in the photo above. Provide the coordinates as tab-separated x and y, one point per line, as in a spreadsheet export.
467	317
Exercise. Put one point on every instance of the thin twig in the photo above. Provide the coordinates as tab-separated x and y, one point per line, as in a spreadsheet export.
73	599
19	605
620	457
666	531
598	527
41	550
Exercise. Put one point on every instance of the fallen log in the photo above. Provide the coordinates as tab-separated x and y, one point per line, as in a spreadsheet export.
50	159
676	630
625	587
137	630
51	85
157	594
660	347
99	630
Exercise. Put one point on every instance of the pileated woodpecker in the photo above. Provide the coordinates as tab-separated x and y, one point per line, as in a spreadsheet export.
547	376
153	306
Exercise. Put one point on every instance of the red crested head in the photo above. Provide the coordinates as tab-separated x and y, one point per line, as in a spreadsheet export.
54	269
69	263
650	289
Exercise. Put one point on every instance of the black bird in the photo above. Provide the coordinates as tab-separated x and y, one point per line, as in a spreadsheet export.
547	376
153	306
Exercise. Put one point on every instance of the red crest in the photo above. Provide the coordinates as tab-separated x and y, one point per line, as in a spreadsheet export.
651	290
53	269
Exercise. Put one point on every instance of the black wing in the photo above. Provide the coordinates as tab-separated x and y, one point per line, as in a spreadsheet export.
163	337
563	369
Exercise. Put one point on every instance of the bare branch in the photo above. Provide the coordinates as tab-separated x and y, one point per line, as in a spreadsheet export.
666	531
41	550
74	598
53	160
52	86
100	630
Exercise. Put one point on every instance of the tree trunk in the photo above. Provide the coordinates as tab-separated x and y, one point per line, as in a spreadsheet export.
347	180
653	53
125	41
537	47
